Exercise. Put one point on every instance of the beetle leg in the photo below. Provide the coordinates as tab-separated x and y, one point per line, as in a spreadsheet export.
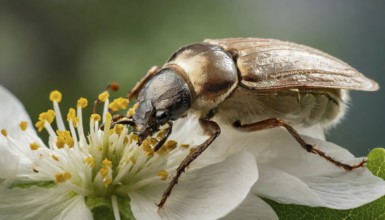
134	92
118	119
161	142
212	129
275	122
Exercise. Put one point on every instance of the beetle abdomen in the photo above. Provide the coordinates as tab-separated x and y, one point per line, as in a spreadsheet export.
298	107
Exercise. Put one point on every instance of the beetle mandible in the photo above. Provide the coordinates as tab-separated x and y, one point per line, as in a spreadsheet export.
252	84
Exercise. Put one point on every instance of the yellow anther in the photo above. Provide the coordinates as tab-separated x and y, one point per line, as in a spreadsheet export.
107	163
103	172
185	145
152	141
134	137
23	125
90	161
39	125
60	142
34	146
55	157
132	110
125	141
107	181
62	177
48	116
133	160
170	145
82	103
55	96
4	132
67	175
103	96
118	104
95	117
71	114
147	147
163	174
118	129
161	134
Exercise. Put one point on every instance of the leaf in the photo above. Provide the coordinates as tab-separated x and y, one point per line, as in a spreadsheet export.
373	210
376	162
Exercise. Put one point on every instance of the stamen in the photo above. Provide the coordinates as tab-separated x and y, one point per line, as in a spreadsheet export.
90	161
115	207
55	96
55	157
170	145
132	110
163	174
103	96
4	132
34	146
62	177
82	103
23	125
118	104
185	145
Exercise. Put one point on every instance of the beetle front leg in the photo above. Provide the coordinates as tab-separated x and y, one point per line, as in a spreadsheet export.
213	130
275	122
134	92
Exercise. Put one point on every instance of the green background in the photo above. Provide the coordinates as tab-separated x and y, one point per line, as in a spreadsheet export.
78	47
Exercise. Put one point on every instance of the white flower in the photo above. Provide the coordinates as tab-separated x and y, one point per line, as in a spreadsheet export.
77	174
288	174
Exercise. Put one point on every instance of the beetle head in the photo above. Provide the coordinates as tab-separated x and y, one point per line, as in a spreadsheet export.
165	97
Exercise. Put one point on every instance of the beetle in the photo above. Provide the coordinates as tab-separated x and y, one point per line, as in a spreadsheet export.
250	83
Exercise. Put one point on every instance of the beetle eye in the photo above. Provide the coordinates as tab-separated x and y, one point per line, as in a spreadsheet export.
162	116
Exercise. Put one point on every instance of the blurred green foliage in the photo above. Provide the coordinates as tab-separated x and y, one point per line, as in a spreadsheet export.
78	47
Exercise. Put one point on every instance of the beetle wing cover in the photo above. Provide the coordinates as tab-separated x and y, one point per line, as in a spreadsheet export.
274	64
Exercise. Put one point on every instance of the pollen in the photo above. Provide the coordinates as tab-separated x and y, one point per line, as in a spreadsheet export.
103	172
82	103
170	145
107	181
55	157
39	125
118	129
107	163
48	116
132	110
4	132
71	116
23	125
90	161
62	177
103	96
34	146
163	174
147	147
118	104
95	117
55	96
185	145
64	138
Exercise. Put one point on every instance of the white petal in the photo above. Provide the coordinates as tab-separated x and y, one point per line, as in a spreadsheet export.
76	210
207	193
253	208
12	113
295	176
38	203
9	162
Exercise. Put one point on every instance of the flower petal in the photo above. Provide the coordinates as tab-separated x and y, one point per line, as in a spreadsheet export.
207	193
294	176
41	203
12	113
254	208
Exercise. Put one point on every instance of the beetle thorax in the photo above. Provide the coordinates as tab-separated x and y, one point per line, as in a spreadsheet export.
211	71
